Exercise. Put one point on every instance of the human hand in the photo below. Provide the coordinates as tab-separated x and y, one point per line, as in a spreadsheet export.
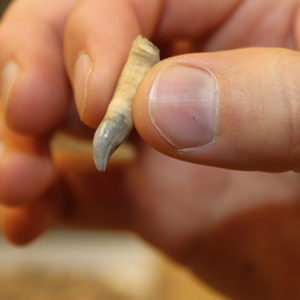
237	230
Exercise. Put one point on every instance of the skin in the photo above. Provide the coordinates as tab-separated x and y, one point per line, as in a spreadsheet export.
239	231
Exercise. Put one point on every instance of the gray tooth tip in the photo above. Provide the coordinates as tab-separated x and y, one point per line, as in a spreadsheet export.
108	137
101	160
102	164
101	154
101	169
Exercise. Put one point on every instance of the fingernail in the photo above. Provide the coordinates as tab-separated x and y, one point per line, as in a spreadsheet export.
9	76
83	72
183	106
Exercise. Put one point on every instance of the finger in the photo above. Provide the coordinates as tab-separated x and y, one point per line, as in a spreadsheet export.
237	109
99	34
20	225
26	169
34	88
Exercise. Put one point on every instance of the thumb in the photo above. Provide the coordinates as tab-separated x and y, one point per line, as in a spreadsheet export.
236	109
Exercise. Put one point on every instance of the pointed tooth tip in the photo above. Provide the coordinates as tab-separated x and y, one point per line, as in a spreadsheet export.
101	162
101	158
108	137
100	167
99	155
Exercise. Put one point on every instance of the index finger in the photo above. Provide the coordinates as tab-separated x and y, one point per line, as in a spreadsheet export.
99	34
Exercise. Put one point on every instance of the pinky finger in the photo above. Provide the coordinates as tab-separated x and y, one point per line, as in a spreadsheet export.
21	225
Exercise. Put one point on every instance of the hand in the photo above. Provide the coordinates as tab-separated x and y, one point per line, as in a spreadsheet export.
237	230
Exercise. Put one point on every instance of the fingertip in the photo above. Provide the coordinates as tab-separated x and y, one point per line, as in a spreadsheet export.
21	225
24	177
214	109
13	225
37	100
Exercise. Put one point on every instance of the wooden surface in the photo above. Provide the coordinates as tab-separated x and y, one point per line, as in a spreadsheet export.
110	265
182	285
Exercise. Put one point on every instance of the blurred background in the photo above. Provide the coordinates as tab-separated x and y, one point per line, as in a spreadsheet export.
81	265
3	4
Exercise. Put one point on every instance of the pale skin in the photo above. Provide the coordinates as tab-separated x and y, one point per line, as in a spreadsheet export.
239	231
